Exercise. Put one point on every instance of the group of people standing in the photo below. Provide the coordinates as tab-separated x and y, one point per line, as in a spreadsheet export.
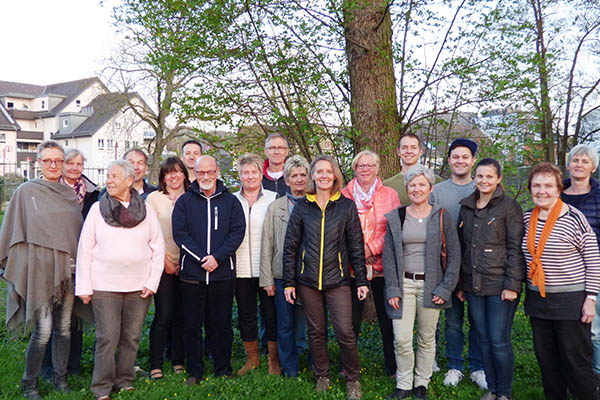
297	247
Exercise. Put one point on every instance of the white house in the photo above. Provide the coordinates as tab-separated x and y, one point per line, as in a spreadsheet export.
80	114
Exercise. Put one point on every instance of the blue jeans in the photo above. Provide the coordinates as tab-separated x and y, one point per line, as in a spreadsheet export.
596	339
493	321
286	332
455	339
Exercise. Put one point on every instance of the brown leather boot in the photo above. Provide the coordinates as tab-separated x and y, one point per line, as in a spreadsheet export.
251	358
273	359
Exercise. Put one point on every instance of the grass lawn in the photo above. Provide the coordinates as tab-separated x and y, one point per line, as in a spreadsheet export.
259	384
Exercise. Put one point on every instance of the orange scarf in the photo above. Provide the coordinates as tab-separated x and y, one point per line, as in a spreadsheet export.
536	271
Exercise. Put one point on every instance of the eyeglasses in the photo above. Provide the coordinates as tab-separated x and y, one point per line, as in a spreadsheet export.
366	166
209	173
48	162
280	149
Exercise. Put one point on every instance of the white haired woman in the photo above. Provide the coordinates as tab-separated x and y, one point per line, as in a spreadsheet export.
417	283
120	261
373	201
38	243
583	192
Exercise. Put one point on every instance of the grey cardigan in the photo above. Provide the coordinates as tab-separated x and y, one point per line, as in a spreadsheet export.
436	282
273	236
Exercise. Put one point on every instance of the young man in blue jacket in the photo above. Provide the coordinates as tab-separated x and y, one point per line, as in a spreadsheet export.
208	226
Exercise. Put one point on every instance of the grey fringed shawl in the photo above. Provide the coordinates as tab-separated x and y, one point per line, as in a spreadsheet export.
38	242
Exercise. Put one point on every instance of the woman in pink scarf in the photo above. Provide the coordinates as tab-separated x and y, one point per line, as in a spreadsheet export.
373	201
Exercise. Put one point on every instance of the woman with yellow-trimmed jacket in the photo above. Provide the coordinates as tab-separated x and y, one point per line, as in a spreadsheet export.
324	237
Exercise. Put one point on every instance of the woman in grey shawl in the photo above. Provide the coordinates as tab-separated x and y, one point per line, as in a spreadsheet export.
38	244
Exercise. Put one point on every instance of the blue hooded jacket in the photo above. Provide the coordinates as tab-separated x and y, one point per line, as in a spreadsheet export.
204	226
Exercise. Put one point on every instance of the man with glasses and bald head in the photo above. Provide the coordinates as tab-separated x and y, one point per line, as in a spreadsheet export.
208	226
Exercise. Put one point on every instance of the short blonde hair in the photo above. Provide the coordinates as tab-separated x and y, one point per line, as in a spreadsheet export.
365	153
249	159
338	183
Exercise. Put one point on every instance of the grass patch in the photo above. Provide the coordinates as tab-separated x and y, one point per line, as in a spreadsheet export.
259	384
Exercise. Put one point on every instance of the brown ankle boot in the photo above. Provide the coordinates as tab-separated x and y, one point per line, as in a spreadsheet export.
251	358
273	359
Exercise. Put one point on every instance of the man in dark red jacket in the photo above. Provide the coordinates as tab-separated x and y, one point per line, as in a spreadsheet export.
277	149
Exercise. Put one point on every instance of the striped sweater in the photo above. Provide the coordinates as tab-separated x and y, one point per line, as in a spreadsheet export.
571	259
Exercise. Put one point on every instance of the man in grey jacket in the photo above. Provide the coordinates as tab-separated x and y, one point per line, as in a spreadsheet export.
448	194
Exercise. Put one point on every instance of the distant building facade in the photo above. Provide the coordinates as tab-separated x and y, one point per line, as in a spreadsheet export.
80	114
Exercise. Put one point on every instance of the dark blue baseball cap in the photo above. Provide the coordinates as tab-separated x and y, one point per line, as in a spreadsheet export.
468	143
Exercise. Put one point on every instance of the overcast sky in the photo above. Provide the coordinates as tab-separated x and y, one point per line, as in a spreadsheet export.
52	41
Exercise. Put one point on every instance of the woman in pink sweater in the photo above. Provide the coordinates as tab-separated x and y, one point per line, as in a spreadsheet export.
120	260
373	201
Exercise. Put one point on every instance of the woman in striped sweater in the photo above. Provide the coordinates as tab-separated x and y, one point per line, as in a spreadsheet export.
563	278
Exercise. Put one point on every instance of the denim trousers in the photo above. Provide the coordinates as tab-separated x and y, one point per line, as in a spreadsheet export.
596	338
247	291
211	304
167	323
339	304
492	321
455	339
410	370
286	332
50	320
564	352
119	319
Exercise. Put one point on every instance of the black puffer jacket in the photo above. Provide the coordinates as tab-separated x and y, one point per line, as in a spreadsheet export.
490	239
321	245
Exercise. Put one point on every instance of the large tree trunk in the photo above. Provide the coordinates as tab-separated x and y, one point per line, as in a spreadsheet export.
368	33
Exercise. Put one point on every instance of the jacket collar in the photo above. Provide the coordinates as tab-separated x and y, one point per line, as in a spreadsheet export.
195	188
471	200
266	171
312	198
593	182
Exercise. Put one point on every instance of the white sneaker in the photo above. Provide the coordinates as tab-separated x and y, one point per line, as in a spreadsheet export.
479	378
452	377
435	366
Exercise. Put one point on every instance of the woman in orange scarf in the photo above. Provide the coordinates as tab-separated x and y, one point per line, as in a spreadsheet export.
563	278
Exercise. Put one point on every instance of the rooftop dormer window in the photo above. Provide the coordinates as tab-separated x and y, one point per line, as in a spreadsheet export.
65	122
78	103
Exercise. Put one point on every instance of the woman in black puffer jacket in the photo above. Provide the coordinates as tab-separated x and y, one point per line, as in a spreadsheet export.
323	239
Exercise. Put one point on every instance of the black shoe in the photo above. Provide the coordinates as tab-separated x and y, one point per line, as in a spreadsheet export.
420	392
29	388
399	394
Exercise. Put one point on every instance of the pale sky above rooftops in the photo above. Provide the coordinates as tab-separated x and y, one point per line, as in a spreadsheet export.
52	41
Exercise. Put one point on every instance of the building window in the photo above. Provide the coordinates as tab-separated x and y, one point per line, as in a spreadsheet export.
66	143
126	144
65	122
43	104
100	143
100	171
117	125
109	143
135	143
78	103
10	104
2	137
